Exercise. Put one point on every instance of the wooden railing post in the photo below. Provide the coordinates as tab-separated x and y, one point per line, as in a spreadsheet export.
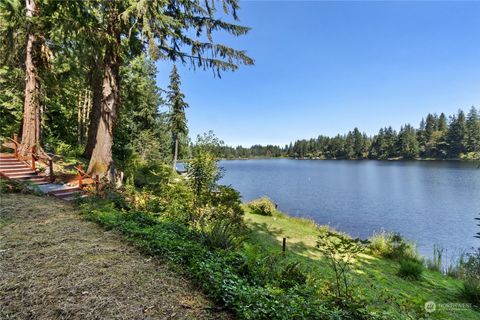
50	167
15	148
33	158
80	177
97	183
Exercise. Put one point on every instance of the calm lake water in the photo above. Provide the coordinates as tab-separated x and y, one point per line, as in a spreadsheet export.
430	202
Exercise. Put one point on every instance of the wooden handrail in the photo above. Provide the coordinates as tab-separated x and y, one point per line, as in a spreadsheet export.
34	156
82	174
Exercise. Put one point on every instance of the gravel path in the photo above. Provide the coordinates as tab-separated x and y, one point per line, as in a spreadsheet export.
55	265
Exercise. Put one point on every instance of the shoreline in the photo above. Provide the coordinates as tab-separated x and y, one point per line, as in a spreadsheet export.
343	159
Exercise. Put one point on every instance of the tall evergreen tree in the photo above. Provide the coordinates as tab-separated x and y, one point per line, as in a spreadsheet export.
32	108
177	117
457	134
408	143
473	130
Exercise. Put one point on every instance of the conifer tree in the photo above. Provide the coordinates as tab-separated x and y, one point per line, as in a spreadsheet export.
177	117
457	134
473	130
408	143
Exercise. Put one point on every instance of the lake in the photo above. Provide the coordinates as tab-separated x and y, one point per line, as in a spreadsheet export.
430	202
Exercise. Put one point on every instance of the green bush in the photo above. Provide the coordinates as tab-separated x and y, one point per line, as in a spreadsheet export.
222	234
153	176
471	290
292	275
471	275
471	265
410	269
263	206
227	205
15	186
393	246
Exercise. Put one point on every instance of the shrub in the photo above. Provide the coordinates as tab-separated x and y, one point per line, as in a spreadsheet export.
471	265
153	176
263	206
471	290
393	246
228	205
410	269
341	252
15	186
222	234
291	275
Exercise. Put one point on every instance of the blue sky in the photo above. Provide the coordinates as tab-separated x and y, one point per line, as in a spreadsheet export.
327	67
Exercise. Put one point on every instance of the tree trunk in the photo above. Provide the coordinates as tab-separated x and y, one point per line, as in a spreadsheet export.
32	111
95	111
175	154
101	162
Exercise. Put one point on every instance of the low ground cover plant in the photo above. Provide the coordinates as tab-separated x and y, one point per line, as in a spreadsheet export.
216	269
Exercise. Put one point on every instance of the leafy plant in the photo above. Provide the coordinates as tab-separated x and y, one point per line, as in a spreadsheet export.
263	206
217	271
471	266
471	290
292	274
410	269
393	246
341	252
203	175
222	234
15	186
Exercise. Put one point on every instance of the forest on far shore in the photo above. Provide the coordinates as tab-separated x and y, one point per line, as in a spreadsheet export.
437	137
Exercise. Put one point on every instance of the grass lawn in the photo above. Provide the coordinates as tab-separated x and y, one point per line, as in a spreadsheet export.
375	278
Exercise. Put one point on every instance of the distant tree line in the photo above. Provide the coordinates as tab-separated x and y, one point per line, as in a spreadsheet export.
437	137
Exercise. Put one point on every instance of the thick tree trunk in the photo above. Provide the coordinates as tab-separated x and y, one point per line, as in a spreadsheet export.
101	162
175	154
32	111
95	111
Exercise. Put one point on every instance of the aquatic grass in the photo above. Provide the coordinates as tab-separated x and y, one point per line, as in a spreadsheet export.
435	264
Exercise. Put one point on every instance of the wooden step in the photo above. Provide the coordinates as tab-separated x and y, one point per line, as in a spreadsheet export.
7	171
13	166
32	179
9	161
71	198
65	191
22	175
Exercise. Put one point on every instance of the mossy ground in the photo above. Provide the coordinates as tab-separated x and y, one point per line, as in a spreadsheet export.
375	278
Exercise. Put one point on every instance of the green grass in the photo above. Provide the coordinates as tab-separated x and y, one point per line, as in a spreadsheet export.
376	278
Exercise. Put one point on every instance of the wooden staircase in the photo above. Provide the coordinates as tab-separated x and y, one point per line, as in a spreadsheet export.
14	169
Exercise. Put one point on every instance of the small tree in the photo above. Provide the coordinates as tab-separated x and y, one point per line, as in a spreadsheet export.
203	172
341	252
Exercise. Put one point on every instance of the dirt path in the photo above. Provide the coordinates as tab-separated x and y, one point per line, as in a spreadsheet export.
54	265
